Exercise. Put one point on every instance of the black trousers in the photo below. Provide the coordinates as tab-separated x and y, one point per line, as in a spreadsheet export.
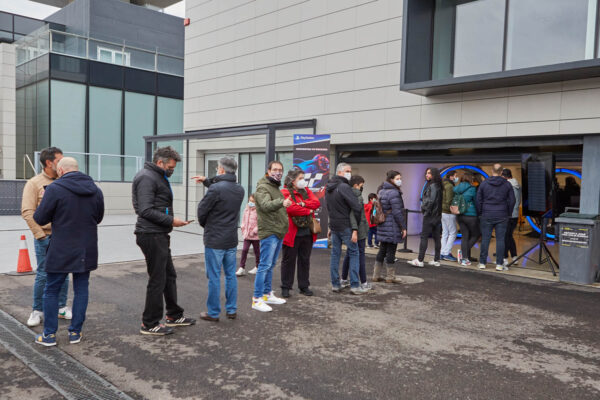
431	226
300	253
162	278
510	246
469	228
387	252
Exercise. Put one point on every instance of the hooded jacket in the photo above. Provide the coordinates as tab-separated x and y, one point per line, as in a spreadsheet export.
517	191
272	217
219	212
431	205
75	206
340	201
447	196
362	226
152	200
250	224
469	193
392	205
495	198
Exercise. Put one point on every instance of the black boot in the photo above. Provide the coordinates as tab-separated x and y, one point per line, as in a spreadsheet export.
285	292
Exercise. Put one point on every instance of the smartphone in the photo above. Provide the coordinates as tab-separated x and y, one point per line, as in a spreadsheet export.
189	222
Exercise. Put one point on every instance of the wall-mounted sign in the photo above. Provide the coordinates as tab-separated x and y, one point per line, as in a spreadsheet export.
574	237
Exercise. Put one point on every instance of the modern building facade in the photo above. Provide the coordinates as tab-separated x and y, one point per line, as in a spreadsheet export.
397	84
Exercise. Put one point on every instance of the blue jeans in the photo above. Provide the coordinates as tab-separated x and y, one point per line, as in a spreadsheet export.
337	238
214	259
80	300
41	247
362	263
269	251
487	224
373	235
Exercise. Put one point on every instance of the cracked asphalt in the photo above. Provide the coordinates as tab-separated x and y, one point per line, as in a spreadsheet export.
448	334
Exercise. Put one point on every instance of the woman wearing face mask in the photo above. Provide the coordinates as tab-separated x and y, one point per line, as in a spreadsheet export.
393	230
298	241
250	234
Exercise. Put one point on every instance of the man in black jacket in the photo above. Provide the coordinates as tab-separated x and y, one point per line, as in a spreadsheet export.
218	214
341	201
431	206
153	203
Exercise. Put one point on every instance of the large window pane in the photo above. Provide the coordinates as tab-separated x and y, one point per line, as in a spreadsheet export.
169	65
68	44
139	122
67	118
549	32
468	37
105	133
170	120
141	59
43	115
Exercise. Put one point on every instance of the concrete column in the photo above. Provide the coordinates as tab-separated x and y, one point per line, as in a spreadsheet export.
590	182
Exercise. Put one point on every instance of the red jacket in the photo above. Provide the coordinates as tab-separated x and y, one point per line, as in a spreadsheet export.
295	210
368	211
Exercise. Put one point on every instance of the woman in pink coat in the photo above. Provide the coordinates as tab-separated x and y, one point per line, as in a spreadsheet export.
250	234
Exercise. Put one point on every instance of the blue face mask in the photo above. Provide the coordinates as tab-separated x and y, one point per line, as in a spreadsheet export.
251	204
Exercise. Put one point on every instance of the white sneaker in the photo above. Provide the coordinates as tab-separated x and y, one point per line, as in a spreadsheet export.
240	272
501	268
253	271
366	286
459	255
65	313
417	263
259	305
505	262
344	283
434	263
35	318
272	299
481	266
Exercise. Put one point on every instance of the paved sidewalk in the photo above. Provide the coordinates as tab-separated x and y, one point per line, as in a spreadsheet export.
459	334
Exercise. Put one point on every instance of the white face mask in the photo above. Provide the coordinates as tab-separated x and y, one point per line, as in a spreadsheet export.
348	175
398	182
456	180
250	204
301	184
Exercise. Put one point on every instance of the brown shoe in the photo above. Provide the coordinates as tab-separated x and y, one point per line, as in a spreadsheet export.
207	317
232	316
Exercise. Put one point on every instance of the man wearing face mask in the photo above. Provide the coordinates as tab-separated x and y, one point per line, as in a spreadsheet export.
448	219
153	203
341	201
218	214
272	227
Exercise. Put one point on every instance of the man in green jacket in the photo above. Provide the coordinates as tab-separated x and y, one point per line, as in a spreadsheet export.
448	219
272	227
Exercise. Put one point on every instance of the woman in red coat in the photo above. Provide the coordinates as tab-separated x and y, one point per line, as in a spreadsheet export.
298	241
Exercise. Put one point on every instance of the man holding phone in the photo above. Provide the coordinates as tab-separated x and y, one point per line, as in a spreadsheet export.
153	203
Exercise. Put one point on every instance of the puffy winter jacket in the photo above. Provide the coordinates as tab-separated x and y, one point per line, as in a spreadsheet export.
311	203
219	212
447	196
517	191
431	205
152	200
272	217
469	193
390	231
495	198
340	201
361	225
250	224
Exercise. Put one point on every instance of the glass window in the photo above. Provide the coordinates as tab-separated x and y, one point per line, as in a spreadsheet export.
549	32
43	115
105	133
468	37
25	25
287	158
170	65
257	169
67	118
139	122
141	59
68	44
170	120
6	22
6	35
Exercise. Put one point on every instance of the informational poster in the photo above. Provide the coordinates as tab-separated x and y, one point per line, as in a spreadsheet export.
574	237
311	155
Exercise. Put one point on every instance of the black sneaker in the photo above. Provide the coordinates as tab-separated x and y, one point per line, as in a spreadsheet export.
158	330
306	292
285	292
183	321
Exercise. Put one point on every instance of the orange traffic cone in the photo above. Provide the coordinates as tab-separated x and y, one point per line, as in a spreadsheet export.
24	264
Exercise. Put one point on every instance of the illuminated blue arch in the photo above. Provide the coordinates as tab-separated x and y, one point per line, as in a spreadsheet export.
558	171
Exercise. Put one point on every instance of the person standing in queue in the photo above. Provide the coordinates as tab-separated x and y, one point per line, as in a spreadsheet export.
272	228
152	199
468	221
449	231
298	241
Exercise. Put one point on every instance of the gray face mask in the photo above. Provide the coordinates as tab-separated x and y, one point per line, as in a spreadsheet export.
169	172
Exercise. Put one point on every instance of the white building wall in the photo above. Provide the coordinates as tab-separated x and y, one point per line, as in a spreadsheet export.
7	112
339	61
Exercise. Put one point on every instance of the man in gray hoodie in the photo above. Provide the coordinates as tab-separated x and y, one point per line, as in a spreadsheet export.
510	245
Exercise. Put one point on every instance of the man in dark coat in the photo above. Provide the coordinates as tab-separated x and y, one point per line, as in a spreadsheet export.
75	206
341	201
495	203
218	214
153	203
431	207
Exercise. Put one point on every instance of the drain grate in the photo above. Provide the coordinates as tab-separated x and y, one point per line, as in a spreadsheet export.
61	371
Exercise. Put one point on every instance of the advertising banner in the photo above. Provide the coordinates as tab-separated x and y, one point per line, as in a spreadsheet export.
311	155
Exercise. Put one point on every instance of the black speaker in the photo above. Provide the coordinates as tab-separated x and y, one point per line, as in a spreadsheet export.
538	184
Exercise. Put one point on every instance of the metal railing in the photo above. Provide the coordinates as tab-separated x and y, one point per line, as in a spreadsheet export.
94	164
